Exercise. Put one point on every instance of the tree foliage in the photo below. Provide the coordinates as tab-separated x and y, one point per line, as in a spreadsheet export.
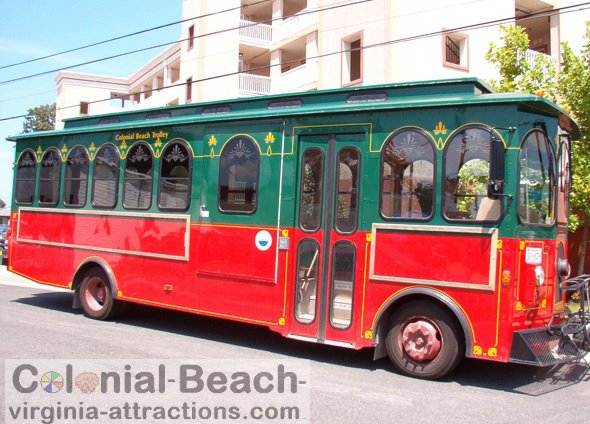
570	89
40	118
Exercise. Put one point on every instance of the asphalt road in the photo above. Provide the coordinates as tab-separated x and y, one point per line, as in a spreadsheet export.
346	386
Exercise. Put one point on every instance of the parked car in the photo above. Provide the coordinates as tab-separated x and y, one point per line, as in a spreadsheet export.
4	243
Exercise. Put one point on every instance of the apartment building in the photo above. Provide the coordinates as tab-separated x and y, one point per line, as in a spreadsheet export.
239	48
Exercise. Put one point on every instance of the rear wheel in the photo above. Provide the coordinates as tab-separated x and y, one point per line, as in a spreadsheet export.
96	296
424	340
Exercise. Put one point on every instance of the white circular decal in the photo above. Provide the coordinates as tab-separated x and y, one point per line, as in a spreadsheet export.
263	240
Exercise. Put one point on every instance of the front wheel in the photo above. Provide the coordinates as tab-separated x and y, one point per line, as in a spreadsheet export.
424	340
96	297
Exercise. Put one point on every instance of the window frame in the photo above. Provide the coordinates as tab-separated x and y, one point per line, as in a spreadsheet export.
431	143
72	179
191	38
463	40
469	221
189	90
331	308
337	192
553	201
225	148
301	193
117	179
58	178
188	177
127	158
346	54
34	179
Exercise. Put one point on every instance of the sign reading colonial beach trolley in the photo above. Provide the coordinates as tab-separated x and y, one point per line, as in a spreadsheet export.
423	220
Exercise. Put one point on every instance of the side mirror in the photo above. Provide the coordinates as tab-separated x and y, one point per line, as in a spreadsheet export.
497	161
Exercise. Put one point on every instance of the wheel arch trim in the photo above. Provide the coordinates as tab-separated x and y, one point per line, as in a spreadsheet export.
423	292
102	264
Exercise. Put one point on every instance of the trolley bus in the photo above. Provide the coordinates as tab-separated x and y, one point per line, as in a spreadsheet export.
425	220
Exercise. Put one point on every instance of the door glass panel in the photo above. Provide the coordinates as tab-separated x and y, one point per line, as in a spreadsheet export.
343	260
308	257
310	209
348	190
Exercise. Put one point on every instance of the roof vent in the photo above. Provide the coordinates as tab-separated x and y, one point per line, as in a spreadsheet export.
372	96
282	104
214	110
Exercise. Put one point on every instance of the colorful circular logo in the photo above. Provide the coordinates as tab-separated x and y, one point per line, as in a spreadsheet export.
263	240
52	382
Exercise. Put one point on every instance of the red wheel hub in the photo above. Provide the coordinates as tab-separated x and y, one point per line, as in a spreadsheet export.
421	341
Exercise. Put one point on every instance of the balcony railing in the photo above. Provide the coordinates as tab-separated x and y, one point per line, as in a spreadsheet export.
255	32
253	85
531	56
296	78
294	24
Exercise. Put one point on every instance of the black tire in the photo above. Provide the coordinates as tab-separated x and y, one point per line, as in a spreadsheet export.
416	319
96	297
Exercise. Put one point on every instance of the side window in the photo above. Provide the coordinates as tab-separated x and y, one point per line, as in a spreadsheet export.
407	176
175	177
76	178
466	175
26	175
238	176
138	177
106	177
536	194
49	177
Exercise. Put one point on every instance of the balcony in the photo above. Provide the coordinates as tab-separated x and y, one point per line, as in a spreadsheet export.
295	24
296	78
255	33
253	85
531	56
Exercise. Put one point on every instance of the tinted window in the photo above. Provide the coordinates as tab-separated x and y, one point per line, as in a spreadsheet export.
466	175
536	197
106	177
49	177
175	173
348	190
407	169
310	208
26	174
238	176
76	179
138	177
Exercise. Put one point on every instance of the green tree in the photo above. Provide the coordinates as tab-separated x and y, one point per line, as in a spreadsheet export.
40	118
570	89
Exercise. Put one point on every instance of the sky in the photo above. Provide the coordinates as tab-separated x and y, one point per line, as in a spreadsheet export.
30	29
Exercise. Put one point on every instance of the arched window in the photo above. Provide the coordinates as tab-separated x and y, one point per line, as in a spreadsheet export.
466	176
347	177
49	178
138	177
175	177
105	182
26	175
407	176
537	185
76	178
238	176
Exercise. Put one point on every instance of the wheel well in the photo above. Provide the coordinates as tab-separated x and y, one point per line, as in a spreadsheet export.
81	272
384	317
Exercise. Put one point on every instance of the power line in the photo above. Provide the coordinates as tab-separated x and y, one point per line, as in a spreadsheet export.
121	37
176	41
563	10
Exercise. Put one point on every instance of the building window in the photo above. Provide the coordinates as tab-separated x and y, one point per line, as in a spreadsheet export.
191	37
455	51
84	108
138	177
189	90
49	178
238	176
26	174
76	179
175	177
352	60
106	177
407	176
